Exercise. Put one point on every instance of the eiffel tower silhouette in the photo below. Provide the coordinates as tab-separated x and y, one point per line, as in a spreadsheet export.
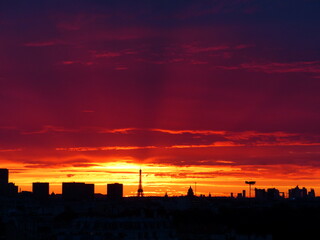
140	190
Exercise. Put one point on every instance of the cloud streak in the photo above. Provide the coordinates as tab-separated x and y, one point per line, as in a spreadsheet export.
278	67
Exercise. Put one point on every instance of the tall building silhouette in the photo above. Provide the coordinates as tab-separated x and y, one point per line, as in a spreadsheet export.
4	176
6	188
115	190
75	191
140	190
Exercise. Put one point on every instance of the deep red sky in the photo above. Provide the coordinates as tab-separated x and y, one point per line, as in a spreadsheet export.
213	92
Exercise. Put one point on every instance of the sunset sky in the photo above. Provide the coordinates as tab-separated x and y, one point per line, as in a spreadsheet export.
207	92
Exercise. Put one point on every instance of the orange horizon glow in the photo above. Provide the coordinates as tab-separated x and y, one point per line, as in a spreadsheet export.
157	179
217	162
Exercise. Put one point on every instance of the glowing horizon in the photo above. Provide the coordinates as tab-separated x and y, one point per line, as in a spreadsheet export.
157	179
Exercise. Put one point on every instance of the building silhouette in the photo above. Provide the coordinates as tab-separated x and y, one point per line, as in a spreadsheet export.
269	194
11	190
297	193
190	192
260	194
311	193
244	195
240	195
40	190
115	190
7	189
75	191
4	176
273	193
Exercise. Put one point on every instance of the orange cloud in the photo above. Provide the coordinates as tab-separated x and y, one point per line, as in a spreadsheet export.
202	132
11	150
87	149
118	130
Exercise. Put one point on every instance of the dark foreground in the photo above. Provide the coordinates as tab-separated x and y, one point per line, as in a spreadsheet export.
24	218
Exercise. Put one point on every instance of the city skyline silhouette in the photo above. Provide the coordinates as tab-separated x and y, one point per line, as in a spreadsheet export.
214	92
80	213
159	120
116	189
